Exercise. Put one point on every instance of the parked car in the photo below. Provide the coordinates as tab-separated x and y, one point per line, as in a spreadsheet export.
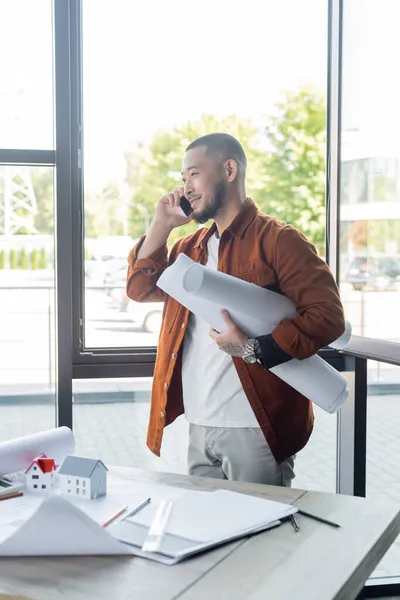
381	272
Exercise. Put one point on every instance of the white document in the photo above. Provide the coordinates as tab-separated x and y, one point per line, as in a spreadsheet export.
100	509
57	528
202	520
257	311
16	455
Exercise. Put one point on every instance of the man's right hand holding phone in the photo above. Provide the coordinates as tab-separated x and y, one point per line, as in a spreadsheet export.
168	215
169	211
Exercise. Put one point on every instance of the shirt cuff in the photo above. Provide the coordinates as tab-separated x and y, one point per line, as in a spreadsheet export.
271	354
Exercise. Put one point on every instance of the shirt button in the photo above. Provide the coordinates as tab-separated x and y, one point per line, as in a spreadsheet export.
165	386
172	355
162	413
183	325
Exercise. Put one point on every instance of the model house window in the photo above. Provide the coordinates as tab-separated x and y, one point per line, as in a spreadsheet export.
69	491
35	476
35	468
84	483
69	481
77	482
35	486
77	490
43	486
83	492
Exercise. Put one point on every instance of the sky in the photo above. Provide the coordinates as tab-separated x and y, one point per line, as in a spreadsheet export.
155	64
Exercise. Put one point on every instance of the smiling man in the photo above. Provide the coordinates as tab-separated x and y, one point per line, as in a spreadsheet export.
245	423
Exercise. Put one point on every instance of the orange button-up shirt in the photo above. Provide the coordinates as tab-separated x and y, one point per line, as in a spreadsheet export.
263	250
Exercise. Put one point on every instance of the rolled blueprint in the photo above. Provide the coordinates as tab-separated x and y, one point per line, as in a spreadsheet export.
16	455
257	311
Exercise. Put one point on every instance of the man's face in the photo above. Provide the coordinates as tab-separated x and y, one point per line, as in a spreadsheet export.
205	183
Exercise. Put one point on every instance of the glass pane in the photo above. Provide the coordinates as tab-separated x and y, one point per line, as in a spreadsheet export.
370	222
383	448
315	465
157	86
110	423
26	75
27	317
370	175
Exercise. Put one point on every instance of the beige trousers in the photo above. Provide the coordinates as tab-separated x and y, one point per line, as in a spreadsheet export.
238	454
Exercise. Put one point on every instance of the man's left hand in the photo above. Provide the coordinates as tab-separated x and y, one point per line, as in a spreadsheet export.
233	341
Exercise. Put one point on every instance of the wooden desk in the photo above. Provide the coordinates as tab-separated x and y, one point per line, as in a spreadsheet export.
317	563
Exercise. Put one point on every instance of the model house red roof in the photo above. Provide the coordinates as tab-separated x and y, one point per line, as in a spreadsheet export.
46	465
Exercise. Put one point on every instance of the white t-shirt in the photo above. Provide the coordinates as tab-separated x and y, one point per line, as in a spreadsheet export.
212	393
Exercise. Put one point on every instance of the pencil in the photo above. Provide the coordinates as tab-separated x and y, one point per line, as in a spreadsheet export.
117	514
15	495
320	519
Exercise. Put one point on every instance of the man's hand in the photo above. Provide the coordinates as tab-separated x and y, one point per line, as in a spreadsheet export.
168	211
233	341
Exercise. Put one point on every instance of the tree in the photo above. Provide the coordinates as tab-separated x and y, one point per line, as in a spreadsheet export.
106	212
286	163
296	163
43	258
23	259
43	186
13	259
34	260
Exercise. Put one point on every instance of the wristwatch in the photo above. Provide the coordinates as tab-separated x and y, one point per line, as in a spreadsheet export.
249	355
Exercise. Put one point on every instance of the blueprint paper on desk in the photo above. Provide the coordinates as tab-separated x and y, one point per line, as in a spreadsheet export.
57	528
200	521
257	311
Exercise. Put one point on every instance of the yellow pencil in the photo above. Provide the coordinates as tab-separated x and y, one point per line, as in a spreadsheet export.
117	514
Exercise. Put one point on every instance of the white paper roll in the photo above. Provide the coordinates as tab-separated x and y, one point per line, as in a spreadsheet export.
16	455
257	311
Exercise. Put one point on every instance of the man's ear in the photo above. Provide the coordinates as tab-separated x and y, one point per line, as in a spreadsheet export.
231	170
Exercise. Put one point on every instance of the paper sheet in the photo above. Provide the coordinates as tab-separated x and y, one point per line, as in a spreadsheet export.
16	455
101	509
57	528
201	520
207	516
257	311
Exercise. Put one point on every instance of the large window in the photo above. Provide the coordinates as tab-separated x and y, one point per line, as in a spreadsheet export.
27	220
370	220
26	75
156	76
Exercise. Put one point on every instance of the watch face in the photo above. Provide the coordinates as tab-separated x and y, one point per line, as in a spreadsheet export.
250	358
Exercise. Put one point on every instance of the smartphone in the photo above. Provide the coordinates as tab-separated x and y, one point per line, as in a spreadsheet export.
186	206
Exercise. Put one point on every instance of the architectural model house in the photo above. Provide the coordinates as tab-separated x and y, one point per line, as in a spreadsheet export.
83	477
40	474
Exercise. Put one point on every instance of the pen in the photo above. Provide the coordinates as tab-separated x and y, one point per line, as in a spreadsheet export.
136	510
16	495
320	519
117	514
294	522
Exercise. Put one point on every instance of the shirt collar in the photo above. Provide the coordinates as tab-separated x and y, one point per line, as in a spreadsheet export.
238	226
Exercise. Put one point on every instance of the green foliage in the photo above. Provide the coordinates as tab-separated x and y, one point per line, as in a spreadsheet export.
13	259
23	259
296	164
34	259
43	186
43	259
286	164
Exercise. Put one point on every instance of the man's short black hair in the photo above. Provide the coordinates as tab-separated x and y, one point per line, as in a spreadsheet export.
225	145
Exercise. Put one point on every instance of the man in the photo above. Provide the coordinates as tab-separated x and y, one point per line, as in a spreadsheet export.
245	423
